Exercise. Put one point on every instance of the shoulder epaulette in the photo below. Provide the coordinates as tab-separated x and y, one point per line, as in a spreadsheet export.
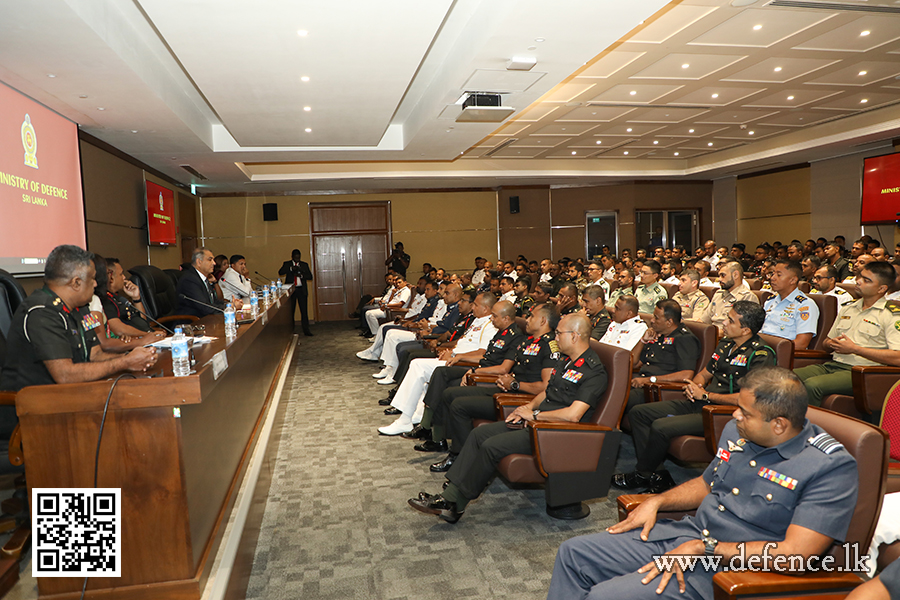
825	443
554	347
800	298
839	291
893	306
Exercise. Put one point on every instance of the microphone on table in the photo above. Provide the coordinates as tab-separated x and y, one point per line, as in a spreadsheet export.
200	302
241	292
146	316
263	276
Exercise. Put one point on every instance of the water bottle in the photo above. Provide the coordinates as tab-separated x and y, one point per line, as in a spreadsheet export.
230	325
181	363
265	293
278	286
254	305
272	291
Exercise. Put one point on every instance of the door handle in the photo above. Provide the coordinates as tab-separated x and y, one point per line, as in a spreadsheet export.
344	276
359	262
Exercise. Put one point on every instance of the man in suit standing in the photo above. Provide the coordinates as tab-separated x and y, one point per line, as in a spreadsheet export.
196	284
297	272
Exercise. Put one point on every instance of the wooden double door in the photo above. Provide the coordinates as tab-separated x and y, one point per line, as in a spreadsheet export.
350	244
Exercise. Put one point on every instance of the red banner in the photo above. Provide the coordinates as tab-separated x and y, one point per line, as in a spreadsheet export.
881	190
161	215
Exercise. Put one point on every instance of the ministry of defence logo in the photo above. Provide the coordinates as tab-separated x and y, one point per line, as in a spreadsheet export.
29	141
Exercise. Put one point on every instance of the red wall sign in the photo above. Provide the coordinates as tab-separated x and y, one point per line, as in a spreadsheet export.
161	215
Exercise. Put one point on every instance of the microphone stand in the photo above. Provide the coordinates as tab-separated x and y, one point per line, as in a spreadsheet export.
146	316
212	306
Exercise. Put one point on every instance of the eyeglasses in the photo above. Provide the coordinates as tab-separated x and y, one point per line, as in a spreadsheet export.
559	332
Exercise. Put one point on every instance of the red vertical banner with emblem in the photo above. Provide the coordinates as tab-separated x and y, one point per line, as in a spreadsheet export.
161	215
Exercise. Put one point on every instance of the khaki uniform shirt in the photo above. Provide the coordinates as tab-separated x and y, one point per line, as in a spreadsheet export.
722	302
693	305
649	295
874	327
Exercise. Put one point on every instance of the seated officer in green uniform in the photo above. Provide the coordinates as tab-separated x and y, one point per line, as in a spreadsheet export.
655	425
593	301
865	333
670	351
51	338
779	484
577	382
650	292
524	302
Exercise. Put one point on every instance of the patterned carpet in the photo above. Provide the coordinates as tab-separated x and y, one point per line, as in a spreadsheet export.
337	525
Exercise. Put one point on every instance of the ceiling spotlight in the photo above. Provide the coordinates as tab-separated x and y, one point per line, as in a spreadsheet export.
709	144
308	130
599	142
51	75
628	130
777	69
307	108
864	100
715	95
655	142
750	132
304	79
757	27
134	131
83	96
685	66
865	33
626	152
539	40
790	97
100	108
676	154
632	92
574	153
302	32
861	73
690	131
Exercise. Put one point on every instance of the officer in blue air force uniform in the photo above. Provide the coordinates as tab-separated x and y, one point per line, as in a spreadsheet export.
790	314
776	478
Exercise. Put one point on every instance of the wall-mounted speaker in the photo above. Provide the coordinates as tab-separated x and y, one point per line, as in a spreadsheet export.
270	212
513	205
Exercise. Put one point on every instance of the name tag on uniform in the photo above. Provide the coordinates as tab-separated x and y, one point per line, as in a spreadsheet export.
776	477
723	454
739	361
90	322
573	375
532	349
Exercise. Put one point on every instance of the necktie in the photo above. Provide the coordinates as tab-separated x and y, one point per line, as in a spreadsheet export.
212	293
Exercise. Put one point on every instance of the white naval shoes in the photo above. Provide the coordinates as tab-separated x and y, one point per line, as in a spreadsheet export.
403	424
386	372
389	380
367	355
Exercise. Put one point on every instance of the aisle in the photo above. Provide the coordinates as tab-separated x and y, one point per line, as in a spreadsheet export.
337	525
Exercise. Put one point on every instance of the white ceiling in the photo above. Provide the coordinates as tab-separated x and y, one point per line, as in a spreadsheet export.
218	86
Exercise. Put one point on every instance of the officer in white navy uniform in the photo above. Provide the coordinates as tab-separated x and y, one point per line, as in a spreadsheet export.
790	313
776	478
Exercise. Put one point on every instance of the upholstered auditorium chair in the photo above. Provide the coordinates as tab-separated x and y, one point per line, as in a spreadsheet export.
869	445
828	310
158	294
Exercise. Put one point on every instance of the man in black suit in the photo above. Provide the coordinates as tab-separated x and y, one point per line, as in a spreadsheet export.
297	272
195	283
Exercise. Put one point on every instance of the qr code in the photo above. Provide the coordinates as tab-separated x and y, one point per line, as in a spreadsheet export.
76	532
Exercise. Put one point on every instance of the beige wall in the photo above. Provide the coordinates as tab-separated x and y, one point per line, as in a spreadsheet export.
775	206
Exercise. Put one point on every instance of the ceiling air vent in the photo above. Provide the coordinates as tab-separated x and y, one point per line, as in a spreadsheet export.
194	172
500	147
814	4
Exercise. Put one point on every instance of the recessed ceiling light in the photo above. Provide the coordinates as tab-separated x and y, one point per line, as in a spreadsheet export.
628	130
790	97
308	130
690	131
134	131
100	108
865	33
861	73
539	40
757	27
715	95
655	142
532	47
573	152
51	75
632	92
777	69
83	96
304	79
599	142
709	144
685	66
750	132
307	108
676	154
302	32
626	152
864	100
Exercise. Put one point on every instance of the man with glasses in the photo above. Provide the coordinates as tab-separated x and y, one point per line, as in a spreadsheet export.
824	281
576	384
650	292
595	275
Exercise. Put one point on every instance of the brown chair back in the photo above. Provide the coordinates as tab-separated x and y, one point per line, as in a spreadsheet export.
762	295
709	290
646	317
852	288
671	288
520	321
754	283
708	336
828	310
803	286
611	405
784	349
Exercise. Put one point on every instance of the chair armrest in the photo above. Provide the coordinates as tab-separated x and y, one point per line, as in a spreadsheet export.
568	447
8	398
466	364
715	417
16	453
628	502
871	385
735	584
506	403
657	390
476	378
812	354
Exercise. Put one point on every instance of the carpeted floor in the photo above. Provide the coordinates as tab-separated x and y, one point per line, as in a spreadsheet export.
337	525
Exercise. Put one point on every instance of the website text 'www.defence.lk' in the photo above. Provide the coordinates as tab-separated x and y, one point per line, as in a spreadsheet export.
854	561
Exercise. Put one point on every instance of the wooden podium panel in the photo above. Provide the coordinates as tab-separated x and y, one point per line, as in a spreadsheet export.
177	447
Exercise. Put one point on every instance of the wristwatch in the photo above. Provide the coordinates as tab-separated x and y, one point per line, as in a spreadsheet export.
514	386
709	544
705	397
535	413
653	379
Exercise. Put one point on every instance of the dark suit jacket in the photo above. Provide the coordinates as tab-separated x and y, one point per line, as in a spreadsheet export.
191	286
290	272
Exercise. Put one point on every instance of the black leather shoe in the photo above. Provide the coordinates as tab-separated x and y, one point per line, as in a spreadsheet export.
437	505
426	497
392	411
444	465
418	433
631	481
384	402
445	484
308	333
392	393
660	481
432	446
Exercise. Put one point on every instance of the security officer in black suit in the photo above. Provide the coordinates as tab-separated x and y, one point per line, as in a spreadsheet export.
196	293
297	273
577	382
670	351
51	338
656	424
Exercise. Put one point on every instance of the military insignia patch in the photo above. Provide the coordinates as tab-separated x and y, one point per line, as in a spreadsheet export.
739	361
668	341
90	322
897	325
799	298
579	362
723	454
499	343
804	312
532	349
732	447
825	443
573	376
776	477
554	347
893	306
